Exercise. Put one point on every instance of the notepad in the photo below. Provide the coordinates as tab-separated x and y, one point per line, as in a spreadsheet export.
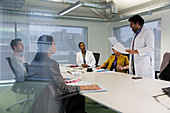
83	83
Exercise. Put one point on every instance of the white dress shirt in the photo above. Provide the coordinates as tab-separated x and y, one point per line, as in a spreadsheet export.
89	57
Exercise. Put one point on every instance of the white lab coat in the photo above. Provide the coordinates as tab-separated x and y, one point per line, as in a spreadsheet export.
144	61
90	60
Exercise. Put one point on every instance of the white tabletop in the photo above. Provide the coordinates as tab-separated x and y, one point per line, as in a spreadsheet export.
126	94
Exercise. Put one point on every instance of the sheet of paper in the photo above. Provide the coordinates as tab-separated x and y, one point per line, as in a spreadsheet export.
112	40
119	47
98	70
83	83
105	72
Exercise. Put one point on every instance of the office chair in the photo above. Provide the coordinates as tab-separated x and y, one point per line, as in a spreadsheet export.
164	65
51	101
20	88
96	56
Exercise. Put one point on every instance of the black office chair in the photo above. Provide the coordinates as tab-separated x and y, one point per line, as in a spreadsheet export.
20	88
96	56
51	101
10	65
164	69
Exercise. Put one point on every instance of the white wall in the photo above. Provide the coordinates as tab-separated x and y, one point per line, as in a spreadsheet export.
165	31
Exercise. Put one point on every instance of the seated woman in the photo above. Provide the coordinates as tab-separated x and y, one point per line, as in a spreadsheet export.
44	67
118	62
85	58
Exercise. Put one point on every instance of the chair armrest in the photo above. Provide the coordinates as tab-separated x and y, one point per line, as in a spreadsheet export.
65	96
38	79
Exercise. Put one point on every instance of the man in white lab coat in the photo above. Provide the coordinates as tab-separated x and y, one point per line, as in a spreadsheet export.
142	49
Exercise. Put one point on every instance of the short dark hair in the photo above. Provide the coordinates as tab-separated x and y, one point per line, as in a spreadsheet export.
80	43
14	42
136	18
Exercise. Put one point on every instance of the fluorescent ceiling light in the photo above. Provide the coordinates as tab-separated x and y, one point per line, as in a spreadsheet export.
70	8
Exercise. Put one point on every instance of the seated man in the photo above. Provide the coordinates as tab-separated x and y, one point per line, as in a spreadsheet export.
17	60
118	62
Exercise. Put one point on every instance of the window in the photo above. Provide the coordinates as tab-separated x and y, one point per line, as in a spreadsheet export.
66	39
7	32
124	35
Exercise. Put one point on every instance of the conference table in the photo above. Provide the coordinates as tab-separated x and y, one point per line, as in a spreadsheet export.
124	94
128	95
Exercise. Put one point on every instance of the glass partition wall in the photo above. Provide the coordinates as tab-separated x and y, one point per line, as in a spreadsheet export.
24	26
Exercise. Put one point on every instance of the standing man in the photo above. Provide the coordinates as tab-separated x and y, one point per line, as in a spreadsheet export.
142	49
17	60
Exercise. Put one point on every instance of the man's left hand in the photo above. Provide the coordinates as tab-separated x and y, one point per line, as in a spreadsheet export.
132	51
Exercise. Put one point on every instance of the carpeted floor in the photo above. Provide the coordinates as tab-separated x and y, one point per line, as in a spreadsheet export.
7	97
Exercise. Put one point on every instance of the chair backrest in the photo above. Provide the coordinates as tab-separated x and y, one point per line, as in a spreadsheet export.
164	75
164	69
96	56
165	61
14	71
10	65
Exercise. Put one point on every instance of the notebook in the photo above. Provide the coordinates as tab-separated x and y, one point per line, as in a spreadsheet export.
83	83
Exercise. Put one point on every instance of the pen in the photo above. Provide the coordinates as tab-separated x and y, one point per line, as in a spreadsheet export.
69	72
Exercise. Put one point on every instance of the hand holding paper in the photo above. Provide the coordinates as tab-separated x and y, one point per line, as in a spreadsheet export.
117	45
113	40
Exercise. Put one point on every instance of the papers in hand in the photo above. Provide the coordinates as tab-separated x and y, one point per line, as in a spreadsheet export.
83	83
112	40
119	47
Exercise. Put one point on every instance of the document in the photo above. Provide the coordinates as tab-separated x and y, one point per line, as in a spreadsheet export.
112	40
119	47
83	83
105	72
98	70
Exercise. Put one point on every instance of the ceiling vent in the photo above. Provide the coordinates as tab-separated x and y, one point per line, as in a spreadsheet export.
12	3
113	8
